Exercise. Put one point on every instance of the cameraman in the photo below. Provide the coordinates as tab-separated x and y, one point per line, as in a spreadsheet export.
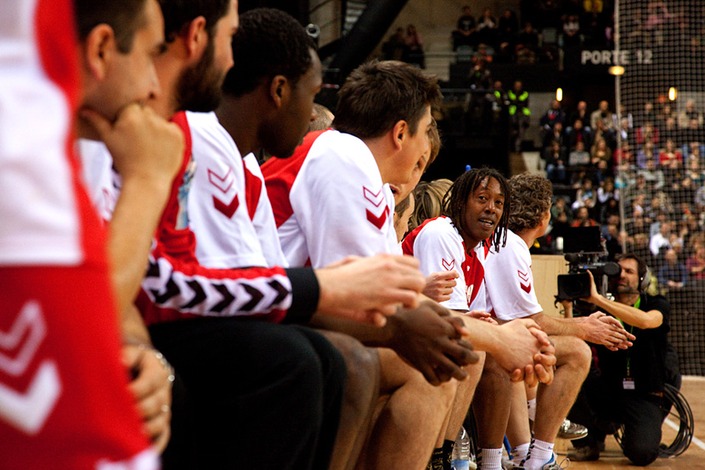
626	387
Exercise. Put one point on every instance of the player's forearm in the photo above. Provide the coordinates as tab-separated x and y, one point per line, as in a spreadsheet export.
560	326
368	335
132	228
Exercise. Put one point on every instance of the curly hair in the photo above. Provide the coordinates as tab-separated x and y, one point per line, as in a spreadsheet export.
428	197
532	196
455	201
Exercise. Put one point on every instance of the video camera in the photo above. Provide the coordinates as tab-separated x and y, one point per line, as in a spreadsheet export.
584	249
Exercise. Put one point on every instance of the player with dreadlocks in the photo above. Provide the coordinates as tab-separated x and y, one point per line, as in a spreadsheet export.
474	220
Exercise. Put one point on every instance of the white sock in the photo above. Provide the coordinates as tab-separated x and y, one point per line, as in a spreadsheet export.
519	452
491	459
541	453
531	404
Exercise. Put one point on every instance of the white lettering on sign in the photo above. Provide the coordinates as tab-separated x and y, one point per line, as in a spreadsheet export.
607	57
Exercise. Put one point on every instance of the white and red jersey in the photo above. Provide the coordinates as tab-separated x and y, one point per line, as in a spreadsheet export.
64	398
439	247
177	286
329	201
263	217
218	206
510	282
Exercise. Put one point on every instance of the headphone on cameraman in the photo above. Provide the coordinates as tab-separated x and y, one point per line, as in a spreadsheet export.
645	279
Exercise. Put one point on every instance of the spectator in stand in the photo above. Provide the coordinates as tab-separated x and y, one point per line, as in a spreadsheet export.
667	112
487	28
672	275
414	47
507	27
700	199
695	265
579	133
670	157
694	150
528	38
623	157
561	218
661	239
603	115
652	175
607	191
582	218
601	158
394	48
647	114
694	132
555	163
579	158
482	56
465	29
554	114
612	238
647	133
689	114
571	31
582	114
646	154
670	130
585	196
695	171
554	134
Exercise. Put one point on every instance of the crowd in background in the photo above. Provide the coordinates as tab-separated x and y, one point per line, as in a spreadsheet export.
651	159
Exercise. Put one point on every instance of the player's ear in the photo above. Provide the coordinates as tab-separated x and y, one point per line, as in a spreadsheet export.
278	90
196	38
399	132
98	50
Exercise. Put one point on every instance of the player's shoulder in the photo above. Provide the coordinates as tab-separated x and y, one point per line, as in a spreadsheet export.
208	134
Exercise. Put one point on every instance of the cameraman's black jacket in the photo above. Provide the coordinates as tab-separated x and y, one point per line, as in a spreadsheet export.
647	358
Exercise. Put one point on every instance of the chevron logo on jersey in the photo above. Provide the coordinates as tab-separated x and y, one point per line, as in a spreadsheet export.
27	410
227	209
448	266
524	281
376	199
224	182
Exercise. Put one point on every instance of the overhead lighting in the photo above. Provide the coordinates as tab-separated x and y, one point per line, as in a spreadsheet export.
559	94
672	93
616	70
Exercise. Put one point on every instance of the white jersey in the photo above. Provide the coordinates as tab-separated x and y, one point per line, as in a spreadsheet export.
510	282
439	247
49	233
218	202
100	178
330	201
263	217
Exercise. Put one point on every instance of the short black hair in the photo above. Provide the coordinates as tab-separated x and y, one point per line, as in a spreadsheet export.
124	17
456	199
179	13
269	42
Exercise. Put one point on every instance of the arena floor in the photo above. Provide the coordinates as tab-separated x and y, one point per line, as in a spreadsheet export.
694	458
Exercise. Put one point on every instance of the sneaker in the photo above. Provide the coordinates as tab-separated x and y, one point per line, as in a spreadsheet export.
555	465
572	431
552	464
584	454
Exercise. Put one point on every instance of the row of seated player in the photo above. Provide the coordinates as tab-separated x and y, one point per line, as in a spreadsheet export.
210	300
